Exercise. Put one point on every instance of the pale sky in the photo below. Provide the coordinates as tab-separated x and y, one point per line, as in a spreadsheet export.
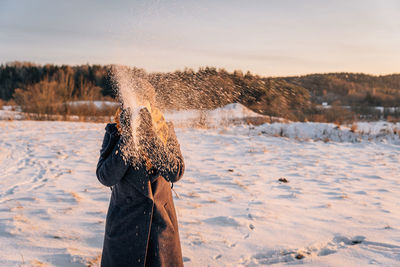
270	38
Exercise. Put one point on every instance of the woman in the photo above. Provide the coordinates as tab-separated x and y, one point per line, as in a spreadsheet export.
141	225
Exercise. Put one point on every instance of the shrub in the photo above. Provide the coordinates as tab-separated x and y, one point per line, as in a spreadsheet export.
47	100
39	98
393	119
90	109
353	128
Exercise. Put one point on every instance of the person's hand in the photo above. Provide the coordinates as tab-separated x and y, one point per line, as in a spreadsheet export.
150	143
146	129
147	135
125	119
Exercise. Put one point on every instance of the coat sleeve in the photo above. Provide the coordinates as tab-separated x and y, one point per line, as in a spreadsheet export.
111	166
174	159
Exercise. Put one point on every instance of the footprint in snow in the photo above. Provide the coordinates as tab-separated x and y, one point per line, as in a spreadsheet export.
222	221
337	243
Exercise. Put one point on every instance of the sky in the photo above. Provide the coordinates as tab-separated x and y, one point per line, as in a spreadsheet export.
269	38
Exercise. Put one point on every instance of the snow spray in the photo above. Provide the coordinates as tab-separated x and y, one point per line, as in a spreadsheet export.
128	88
140	133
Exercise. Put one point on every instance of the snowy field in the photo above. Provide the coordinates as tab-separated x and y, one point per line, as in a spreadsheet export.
339	206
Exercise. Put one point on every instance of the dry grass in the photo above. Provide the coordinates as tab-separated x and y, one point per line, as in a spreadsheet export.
353	128
192	195
326	140
95	261
37	263
393	119
55	117
45	101
241	185
77	197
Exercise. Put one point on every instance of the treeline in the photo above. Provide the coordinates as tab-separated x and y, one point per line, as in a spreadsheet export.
48	89
351	89
80	82
49	92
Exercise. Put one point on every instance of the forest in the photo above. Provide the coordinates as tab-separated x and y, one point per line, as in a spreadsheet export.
48	89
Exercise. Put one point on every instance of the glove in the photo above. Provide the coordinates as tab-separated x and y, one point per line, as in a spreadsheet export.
151	145
125	118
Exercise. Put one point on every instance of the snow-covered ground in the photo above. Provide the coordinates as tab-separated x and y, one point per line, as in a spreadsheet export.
97	103
340	206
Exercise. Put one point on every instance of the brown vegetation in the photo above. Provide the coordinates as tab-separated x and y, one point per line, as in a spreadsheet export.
46	100
351	89
47	91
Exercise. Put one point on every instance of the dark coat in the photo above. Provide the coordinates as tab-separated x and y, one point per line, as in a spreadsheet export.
141	225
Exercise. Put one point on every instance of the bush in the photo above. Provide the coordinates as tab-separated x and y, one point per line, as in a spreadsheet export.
47	100
335	114
353	128
90	109
40	98
393	119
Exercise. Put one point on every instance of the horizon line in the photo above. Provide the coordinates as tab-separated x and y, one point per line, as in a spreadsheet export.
196	69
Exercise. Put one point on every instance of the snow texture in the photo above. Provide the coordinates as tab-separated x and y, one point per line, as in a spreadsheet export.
337	206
